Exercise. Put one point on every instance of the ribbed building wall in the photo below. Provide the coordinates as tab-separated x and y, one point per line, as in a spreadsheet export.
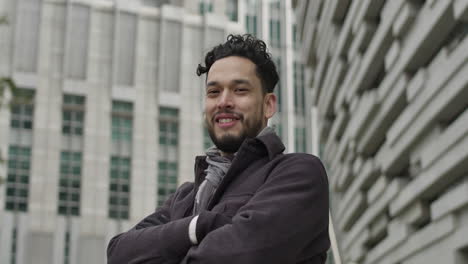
389	80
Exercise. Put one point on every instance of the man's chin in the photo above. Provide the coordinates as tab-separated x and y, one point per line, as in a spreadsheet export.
229	143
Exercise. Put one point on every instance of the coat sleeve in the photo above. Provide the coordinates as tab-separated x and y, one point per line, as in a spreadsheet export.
157	239
153	240
284	222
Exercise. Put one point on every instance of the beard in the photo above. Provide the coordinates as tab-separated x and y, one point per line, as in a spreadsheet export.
230	143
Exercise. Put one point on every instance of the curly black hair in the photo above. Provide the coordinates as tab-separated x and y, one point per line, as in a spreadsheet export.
249	47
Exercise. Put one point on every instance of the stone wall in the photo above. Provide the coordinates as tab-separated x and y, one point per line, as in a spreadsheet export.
390	80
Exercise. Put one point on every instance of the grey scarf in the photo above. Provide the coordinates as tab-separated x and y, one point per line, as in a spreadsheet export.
217	168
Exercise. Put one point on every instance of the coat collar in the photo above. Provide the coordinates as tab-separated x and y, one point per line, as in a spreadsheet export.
269	144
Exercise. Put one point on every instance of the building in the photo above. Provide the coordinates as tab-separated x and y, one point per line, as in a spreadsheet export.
109	114
389	87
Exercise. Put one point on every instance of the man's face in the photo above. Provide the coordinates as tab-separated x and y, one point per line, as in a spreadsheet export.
236	107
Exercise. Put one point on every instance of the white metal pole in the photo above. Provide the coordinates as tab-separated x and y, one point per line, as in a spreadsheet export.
315	151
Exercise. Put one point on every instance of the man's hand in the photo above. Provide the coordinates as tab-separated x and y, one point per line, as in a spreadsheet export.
209	221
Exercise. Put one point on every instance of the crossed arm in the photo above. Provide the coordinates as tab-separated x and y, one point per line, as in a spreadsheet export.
284	222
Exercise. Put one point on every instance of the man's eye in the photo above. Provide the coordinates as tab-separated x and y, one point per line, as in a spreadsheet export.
241	90
212	92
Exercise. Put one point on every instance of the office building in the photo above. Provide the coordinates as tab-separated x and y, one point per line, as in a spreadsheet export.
108	116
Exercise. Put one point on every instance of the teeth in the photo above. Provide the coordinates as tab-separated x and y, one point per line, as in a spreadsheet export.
225	120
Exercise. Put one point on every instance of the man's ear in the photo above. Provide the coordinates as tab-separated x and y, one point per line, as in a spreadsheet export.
269	105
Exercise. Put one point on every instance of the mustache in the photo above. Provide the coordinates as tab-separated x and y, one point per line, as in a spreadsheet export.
227	111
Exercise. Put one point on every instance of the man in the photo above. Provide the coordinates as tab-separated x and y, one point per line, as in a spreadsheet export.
250	203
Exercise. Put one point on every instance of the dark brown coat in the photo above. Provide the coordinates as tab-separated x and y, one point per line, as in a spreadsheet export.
269	208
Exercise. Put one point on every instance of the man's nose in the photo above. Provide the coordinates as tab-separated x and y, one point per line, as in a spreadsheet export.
225	100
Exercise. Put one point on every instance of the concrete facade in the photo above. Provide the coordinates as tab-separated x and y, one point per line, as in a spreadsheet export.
139	52
389	83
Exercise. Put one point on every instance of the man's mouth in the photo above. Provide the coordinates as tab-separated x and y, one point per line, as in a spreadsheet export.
226	120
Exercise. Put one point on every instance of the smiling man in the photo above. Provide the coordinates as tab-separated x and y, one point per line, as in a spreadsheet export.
237	107
250	202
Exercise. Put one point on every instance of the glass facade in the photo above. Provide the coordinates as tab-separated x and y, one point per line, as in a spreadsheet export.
73	115
14	242
17	183
22	113
232	10
66	249
205	6
120	163
119	188
69	190
251	25
299	89
275	24
69	183
168	152
19	152
122	121
300	139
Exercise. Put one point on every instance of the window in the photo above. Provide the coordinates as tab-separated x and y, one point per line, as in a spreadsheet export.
167	180
251	24
119	188
21	116
122	121
17	183
73	115
77	50
295	37
299	89
69	183
231	10
119	184
66	248
155	3
275	24
126	45
168	145
251	17
14	242
22	111
19	152
300	139
69	188
205	6
275	33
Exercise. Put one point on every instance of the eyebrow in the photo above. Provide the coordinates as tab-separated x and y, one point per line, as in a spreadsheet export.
236	81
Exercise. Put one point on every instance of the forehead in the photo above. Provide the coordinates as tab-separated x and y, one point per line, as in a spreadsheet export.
232	67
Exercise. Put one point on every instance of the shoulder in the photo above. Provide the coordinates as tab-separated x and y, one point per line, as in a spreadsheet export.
301	165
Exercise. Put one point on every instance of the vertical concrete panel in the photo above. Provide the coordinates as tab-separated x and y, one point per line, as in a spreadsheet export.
91	249
145	147
6	228
39	248
96	149
191	121
47	117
